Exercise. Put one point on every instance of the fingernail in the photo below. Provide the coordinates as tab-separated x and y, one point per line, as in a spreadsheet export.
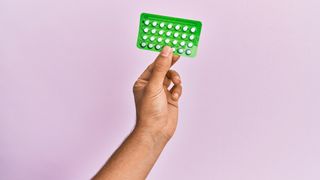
166	51
175	95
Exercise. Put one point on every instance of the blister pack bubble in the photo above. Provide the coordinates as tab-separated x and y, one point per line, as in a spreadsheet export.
157	31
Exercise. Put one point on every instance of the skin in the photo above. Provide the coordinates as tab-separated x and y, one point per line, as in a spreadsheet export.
157	115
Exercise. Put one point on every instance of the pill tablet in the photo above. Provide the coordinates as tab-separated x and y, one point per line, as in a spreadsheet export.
158	46
153	31
143	44
185	28
157	31
161	32
154	23
147	22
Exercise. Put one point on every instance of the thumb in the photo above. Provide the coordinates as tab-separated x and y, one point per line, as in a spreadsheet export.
161	67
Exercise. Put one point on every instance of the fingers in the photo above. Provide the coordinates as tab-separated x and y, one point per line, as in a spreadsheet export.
147	73
161	66
176	92
175	58
167	82
174	76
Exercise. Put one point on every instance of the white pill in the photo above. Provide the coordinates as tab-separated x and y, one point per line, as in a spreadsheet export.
159	39
161	32
145	37
158	46
168	33
143	44
184	36
173	49
162	24
188	52
177	27
190	44
150	45
182	43
193	29
146	30
185	28
170	26
174	42
152	38
191	37
167	41
147	22
154	23
180	51
176	34
153	31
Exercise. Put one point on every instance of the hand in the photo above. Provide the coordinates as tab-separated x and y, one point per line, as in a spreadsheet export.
156	104
157	116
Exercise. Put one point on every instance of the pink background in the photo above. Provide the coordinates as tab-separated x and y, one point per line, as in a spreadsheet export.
250	108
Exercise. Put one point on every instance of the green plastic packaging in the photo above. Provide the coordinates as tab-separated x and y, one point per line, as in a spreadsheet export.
157	31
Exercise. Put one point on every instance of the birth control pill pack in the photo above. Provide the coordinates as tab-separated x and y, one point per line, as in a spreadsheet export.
157	31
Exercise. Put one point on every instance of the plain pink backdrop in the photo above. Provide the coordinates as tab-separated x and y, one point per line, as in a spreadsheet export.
250	108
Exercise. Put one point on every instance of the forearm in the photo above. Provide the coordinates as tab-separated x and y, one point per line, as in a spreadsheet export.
135	157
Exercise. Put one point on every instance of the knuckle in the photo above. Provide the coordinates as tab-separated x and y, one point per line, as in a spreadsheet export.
175	73
135	86
138	84
149	68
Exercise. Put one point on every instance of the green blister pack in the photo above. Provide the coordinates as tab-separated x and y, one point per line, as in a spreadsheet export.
157	31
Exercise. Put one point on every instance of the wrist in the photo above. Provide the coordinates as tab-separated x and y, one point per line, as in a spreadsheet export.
154	137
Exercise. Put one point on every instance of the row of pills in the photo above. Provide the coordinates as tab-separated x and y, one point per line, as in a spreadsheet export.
169	33
167	41
158	47
170	26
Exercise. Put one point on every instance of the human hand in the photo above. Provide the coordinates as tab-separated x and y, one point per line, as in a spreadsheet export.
157	103
157	116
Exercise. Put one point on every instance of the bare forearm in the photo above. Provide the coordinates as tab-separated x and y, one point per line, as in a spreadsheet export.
134	158
157	115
